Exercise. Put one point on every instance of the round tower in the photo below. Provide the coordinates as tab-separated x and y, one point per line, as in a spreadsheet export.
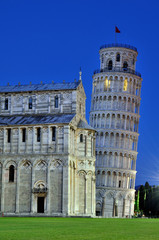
115	116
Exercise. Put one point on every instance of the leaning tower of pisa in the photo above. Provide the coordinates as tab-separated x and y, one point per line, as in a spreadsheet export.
115	116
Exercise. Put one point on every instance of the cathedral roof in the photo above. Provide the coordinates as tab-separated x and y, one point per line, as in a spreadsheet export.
35	119
40	87
84	125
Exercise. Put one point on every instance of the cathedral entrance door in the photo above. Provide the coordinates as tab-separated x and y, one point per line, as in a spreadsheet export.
40	205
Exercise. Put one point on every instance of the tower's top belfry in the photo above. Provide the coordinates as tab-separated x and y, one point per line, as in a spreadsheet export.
118	57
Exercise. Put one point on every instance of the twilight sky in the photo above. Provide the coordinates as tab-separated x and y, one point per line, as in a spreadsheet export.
49	40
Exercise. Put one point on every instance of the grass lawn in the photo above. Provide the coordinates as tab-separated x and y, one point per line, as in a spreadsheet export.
78	228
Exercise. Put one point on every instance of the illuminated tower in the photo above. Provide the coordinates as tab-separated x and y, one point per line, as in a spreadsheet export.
115	116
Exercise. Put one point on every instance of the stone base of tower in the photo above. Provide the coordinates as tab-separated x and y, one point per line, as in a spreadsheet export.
112	203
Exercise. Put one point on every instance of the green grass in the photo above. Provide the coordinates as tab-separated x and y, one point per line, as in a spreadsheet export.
78	228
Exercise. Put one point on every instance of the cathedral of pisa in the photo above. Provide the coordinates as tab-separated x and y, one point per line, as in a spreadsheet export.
115	116
47	151
52	162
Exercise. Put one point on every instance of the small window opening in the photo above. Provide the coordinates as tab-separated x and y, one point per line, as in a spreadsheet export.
118	57
81	138
11	173
30	103
125	66
56	102
23	134
38	134
110	65
53	133
9	135
6	104
119	183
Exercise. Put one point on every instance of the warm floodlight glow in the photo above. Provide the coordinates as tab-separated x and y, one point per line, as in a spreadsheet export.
125	84
107	83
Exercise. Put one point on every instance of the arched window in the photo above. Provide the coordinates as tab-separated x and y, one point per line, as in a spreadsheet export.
38	134
30	105
9	135
56	102
23	134
119	183
125	66
11	173
81	137
118	57
110	65
53	133
6	104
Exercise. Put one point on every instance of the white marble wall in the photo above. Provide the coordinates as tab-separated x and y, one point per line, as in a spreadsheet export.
115	115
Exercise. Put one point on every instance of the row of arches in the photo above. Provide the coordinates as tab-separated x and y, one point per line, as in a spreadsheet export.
117	84
115	121
115	179
115	160
121	103
116	140
118	58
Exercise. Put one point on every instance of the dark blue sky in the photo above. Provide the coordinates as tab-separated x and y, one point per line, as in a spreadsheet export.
50	40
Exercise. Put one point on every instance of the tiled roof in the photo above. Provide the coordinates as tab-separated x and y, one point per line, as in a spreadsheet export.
39	87
35	119
84	125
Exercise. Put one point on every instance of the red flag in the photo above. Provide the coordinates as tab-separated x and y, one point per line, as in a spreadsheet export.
117	30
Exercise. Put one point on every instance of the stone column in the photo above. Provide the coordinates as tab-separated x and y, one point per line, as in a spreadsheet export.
103	206
12	139
113	213
93	196
123	213
17	190
117	180
48	190
72	210
32	186
41	139
66	139
126	105
111	177
33	137
74	187
76	193
65	203
86	182
26	140
19	139
49	140
3	186
130	208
